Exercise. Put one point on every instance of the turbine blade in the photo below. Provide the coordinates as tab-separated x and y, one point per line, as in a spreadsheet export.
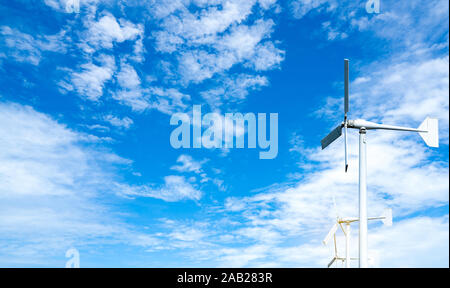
431	136
346	86
335	134
346	152
330	234
331	262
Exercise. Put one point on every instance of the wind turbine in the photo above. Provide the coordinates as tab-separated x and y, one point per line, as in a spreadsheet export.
386	218
332	233
428	130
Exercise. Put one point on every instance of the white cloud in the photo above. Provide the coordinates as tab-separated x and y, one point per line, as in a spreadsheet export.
267	4
397	18
167	42
196	45
104	32
54	181
132	98
175	188
163	9
98	127
240	45
118	122
186	236
90	81
140	97
233	89
24	47
200	27
131	92
213	39
300	8
198	65
188	164
234	204
127	77
417	242
242	40
394	22
235	257
168	100
27	141
333	33
60	5
266	57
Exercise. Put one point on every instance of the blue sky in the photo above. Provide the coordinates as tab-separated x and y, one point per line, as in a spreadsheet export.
85	104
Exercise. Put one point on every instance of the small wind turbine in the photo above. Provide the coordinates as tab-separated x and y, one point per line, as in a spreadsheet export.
386	218
332	233
428	130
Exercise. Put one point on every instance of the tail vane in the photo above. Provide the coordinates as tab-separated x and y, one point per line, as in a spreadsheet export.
431	134
387	217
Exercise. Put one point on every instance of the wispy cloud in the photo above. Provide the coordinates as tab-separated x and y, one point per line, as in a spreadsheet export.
26	48
299	8
90	81
118	122
229	37
106	31
175	188
188	164
53	182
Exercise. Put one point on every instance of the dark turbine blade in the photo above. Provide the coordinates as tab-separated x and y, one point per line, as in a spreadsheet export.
335	134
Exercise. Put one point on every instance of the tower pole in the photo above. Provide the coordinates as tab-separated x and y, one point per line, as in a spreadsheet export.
362	199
